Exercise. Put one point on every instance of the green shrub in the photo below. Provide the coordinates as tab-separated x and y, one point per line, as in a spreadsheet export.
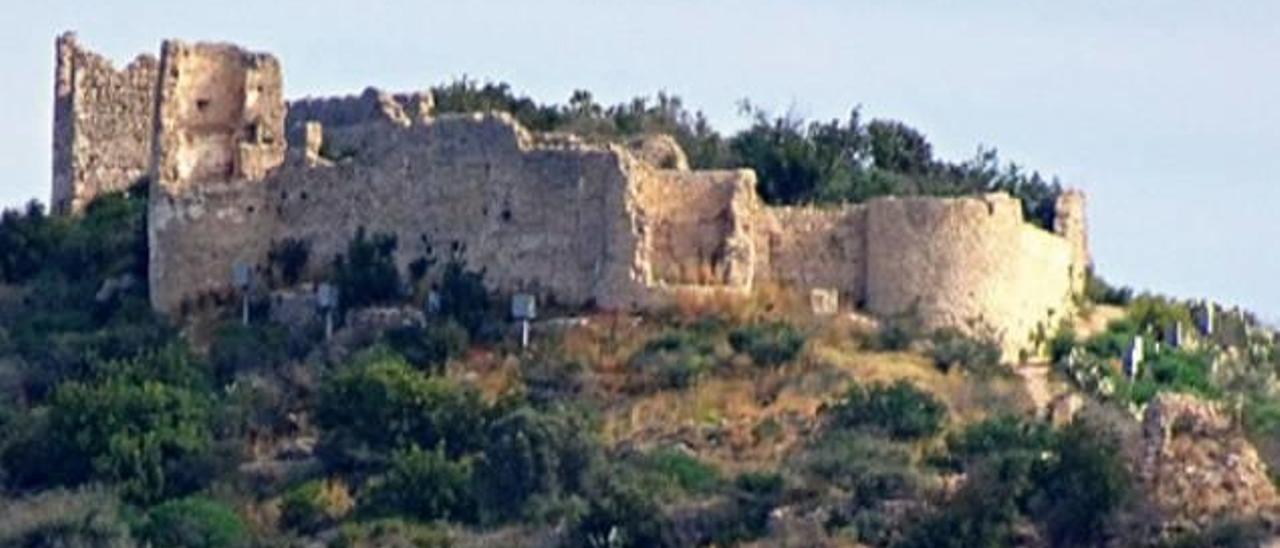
429	347
425	486
770	344
530	453
951	348
392	533
898	332
314	505
676	359
367	275
464	298
1099	291
238	348
369	409
872	468
900	410
140	436
998	435
1080	490
621	513
194	522
288	259
58	518
677	470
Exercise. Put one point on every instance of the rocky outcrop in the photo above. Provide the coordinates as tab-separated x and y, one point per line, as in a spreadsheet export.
1198	466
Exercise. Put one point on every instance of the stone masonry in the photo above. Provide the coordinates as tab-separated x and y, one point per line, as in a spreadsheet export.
234	171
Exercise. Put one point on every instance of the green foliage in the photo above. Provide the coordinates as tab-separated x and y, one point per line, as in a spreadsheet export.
464	299
677	358
137	435
108	239
194	522
899	410
797	161
392	533
366	275
769	344
1082	487
72	519
872	468
1158	313
425	486
622	514
671	470
429	347
369	409
998	435
239	348
1097	290
288	259
952	348
530	453
898	332
311	506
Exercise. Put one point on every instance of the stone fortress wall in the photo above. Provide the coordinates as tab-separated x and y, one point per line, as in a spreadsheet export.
235	171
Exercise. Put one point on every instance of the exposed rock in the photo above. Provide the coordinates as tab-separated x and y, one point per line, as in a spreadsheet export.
1199	467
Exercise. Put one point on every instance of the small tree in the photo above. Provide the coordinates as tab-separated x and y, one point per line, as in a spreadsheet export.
196	523
366	274
900	410
426	486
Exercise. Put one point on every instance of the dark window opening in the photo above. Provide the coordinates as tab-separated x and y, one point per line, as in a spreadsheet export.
202	104
506	215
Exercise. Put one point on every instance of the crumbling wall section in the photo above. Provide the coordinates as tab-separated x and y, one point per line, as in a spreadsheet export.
971	263
545	220
372	105
219	116
102	124
809	247
697	226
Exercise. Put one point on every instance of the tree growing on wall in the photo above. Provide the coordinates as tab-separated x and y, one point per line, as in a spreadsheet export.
367	275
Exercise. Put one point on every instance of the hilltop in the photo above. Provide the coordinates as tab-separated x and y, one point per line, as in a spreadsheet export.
802	334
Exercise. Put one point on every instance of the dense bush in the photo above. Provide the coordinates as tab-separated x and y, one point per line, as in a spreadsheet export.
392	533
425	486
872	468
530	453
1097	290
678	358
621	513
899	410
366	275
288	259
998	435
381	403
673	470
951	348
195	523
429	347
464	299
898	332
1082	488
770	344
71	519
140	436
314	505
238	348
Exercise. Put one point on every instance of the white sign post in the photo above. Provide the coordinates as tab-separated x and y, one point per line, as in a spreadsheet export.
524	308
242	278
327	301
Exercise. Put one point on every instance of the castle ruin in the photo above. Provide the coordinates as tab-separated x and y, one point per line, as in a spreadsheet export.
233	169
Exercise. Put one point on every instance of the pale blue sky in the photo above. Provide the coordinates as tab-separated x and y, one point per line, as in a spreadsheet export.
1163	111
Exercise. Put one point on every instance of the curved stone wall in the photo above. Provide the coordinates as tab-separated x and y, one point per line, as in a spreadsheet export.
966	262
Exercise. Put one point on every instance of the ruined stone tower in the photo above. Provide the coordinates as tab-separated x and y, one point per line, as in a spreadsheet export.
102	124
